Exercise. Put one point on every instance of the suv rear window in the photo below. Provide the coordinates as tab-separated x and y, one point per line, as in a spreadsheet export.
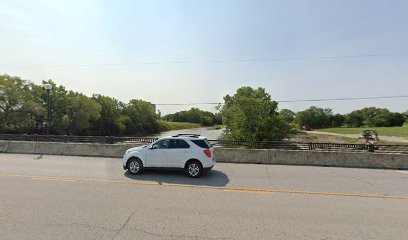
201	143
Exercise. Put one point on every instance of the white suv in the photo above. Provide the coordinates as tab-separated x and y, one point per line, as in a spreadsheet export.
190	152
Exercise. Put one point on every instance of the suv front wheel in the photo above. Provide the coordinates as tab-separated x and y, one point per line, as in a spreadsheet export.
194	169
135	166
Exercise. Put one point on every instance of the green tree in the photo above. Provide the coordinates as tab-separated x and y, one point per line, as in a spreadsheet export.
23	109
111	122
387	120
371	114
140	118
82	111
287	114
314	117
337	120
17	108
195	115
251	115
217	118
374	117
355	119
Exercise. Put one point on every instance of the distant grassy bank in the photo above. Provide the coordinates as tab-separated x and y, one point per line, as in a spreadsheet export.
216	127
168	126
382	131
323	138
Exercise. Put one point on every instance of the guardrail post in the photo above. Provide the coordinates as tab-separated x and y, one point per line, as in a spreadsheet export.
65	138
25	137
371	147
111	140
34	137
107	139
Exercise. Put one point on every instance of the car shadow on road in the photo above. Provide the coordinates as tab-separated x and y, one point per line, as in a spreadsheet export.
213	178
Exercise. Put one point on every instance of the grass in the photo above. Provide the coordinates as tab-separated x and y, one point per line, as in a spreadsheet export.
168	126
302	137
216	127
382	131
323	138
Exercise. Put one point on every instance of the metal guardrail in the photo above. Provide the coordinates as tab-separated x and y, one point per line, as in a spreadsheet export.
283	145
392	149
77	139
262	144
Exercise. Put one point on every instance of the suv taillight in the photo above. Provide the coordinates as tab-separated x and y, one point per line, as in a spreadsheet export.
207	153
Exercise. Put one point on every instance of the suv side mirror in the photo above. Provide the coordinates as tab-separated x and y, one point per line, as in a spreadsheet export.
153	147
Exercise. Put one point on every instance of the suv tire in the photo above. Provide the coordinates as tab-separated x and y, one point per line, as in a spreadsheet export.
194	169
135	166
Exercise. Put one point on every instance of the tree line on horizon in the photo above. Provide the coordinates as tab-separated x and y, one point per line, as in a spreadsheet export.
248	115
195	115
23	109
315	118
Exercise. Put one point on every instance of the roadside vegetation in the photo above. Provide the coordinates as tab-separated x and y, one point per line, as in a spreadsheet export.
168	126
217	127
307	137
248	115
327	138
317	118
195	115
384	131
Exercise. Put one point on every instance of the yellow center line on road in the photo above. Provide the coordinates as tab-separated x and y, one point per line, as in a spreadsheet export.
54	179
249	191
225	189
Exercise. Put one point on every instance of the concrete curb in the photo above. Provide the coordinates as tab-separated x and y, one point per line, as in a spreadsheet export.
70	149
313	158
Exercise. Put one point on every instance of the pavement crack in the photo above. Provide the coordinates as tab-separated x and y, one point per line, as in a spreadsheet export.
124	224
269	176
285	235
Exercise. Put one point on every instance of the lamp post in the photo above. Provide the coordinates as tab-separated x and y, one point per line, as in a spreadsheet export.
48	87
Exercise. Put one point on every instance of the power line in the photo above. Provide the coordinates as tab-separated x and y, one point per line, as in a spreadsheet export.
342	99
297	100
213	61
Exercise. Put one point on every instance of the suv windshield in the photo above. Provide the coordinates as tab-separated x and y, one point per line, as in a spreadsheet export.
203	143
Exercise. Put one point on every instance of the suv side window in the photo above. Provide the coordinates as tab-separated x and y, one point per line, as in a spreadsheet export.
201	143
178	143
164	144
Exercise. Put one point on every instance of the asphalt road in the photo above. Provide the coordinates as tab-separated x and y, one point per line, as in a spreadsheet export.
56	197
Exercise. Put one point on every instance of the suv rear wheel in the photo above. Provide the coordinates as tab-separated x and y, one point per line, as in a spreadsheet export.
194	169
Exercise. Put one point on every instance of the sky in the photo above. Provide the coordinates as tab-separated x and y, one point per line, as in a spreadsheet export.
198	51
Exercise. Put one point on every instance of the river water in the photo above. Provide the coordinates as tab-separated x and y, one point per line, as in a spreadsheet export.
204	131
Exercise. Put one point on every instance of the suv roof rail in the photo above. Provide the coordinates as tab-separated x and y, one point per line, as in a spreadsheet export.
187	135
